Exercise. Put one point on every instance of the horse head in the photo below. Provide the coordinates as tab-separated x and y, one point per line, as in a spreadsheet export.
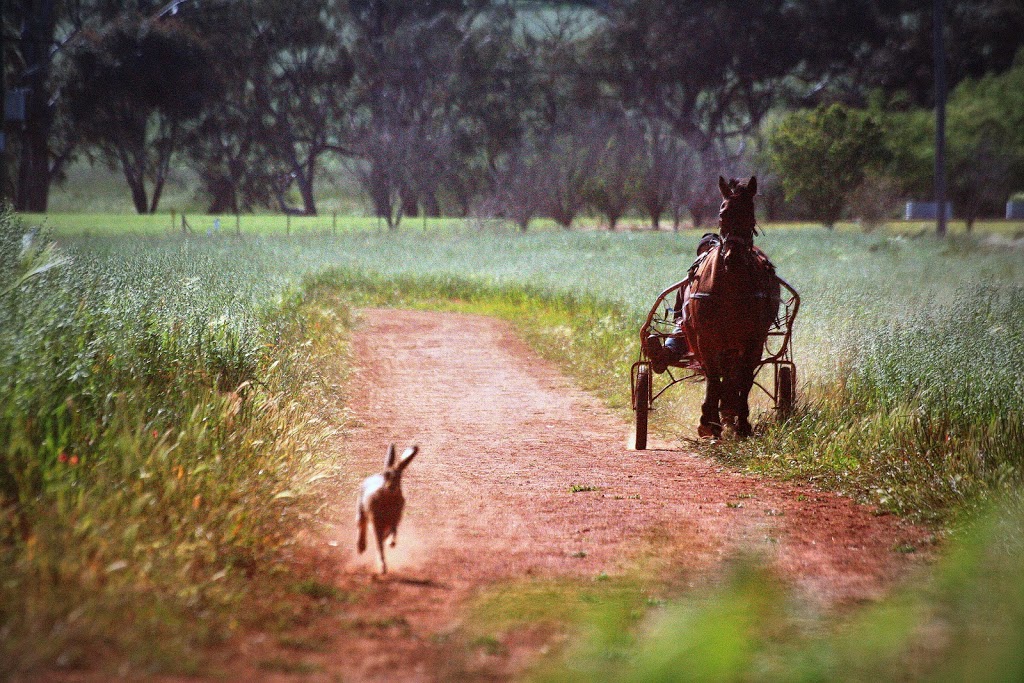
736	217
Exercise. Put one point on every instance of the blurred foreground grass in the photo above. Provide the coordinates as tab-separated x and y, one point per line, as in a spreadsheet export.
961	619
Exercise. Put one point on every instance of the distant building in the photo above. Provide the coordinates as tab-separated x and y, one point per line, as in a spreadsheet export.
921	211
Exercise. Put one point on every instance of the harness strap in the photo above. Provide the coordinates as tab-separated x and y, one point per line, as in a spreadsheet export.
712	295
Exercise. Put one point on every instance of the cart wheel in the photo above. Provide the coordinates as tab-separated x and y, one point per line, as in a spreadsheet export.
786	390
643	398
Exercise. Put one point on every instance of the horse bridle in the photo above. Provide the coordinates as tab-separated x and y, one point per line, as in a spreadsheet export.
737	221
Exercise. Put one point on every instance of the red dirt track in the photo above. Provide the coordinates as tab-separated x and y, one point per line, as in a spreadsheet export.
503	437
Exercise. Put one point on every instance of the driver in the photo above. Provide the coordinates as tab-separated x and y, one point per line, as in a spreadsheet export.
675	347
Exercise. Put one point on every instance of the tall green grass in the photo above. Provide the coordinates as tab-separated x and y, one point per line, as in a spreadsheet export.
908	349
924	415
151	452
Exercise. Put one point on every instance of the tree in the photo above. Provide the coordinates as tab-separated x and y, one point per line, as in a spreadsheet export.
982	37
614	179
38	164
566	168
382	169
980	178
519	186
493	91
228	146
460	78
301	95
986	139
47	31
659	169
708	69
855	48
823	154
133	90
986	144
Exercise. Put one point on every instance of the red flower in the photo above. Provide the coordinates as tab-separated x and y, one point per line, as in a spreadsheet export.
63	457
74	460
155	433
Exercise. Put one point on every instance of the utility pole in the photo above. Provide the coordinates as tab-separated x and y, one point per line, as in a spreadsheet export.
939	50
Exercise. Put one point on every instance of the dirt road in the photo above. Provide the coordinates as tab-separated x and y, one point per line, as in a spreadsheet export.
504	439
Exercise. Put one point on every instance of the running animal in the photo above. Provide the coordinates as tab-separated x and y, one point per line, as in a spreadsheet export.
381	501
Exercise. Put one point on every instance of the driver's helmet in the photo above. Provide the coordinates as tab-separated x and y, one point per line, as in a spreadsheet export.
709	240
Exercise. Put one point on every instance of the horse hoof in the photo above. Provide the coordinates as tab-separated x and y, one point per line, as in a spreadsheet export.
705	432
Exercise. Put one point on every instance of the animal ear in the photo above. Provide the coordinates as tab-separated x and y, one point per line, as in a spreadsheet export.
407	457
723	187
389	461
752	185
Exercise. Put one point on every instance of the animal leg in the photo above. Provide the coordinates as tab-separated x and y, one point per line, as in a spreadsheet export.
743	427
361	520
710	422
380	550
735	408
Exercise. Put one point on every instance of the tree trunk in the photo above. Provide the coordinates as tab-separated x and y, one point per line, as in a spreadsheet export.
223	196
305	182
138	188
410	207
699	214
971	213
431	207
34	169
158	190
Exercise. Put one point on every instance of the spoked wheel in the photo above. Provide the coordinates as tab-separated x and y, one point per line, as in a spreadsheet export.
641	405
786	390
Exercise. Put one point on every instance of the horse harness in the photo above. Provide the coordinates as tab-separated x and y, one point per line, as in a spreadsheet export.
715	248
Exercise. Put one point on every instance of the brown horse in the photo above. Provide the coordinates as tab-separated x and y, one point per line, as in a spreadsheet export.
732	301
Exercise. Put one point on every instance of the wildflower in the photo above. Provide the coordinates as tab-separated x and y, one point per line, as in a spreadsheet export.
73	460
155	433
63	457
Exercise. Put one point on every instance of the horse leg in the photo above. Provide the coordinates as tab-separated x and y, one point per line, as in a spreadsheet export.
742	382
729	391
710	422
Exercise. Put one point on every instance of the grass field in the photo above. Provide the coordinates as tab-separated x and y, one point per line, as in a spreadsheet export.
139	352
893	330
